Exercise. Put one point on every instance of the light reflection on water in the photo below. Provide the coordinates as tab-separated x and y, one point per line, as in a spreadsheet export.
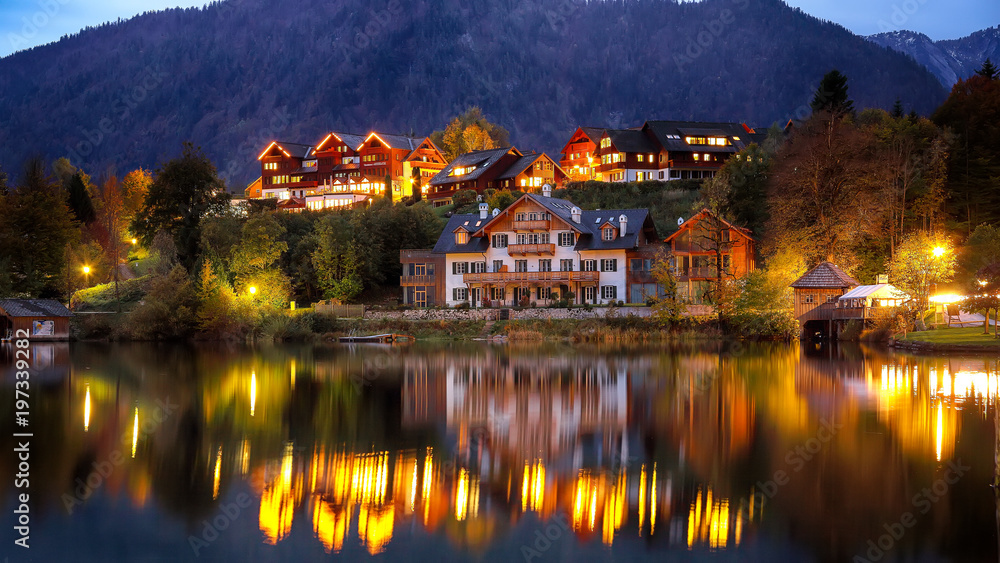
470	451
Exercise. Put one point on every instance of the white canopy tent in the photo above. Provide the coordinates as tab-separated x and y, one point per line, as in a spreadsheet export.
878	295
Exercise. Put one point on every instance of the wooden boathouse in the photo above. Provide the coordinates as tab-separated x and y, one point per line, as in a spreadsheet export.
41	319
817	294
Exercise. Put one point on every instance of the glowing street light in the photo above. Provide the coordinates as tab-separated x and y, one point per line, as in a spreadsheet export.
938	251
86	274
134	242
252	289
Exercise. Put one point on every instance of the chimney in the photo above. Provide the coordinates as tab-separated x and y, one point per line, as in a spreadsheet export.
496	212
546	190
484	210
576	214
622	222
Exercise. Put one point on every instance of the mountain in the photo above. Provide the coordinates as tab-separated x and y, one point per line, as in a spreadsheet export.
949	60
234	75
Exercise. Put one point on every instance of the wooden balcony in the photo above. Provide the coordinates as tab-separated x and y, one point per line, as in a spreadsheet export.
530	277
542	225
522	249
417	280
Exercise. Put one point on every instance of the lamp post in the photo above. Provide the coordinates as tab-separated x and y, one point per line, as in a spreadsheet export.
252	290
86	275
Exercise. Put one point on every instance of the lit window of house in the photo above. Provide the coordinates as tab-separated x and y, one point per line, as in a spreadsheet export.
461	237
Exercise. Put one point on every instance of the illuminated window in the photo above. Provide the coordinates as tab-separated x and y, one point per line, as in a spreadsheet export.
641	157
461	237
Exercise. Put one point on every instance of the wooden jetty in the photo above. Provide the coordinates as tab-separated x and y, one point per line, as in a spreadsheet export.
387	338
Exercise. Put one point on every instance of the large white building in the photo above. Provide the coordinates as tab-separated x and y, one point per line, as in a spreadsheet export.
538	250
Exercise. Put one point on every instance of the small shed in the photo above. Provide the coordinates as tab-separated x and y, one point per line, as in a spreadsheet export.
817	293
41	319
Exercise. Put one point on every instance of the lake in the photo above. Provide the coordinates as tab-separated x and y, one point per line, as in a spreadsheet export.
479	452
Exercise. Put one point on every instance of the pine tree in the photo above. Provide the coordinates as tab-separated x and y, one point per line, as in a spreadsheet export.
897	108
989	70
79	200
831	95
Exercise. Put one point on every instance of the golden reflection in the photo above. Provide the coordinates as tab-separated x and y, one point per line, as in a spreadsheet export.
293	374
709	522
86	411
135	431
533	486
462	495
277	502
642	499
218	472
253	391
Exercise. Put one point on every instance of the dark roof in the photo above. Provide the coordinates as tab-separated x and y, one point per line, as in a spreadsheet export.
482	160
400	141
304	170
468	221
631	140
295	149
594	133
670	134
520	165
34	308
694	219
350	139
826	275
422	141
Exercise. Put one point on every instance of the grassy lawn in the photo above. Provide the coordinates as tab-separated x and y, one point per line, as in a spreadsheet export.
972	336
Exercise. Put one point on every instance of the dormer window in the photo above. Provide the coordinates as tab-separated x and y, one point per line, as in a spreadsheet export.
608	233
462	237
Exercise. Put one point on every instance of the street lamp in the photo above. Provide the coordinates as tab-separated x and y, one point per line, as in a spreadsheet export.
86	274
938	251
134	241
252	289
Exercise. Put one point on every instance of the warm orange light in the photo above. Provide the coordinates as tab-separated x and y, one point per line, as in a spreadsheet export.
86	269
252	289
939	251
374	134
323	142
268	149
134	241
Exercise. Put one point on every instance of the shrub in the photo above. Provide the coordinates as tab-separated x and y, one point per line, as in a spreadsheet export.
776	324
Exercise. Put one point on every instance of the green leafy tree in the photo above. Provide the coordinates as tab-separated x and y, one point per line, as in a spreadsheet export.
500	199
921	261
470	131
983	291
184	191
335	259
169	309
831	96
219	311
36	227
667	310
259	247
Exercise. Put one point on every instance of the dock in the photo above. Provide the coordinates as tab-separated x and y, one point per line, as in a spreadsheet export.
387	338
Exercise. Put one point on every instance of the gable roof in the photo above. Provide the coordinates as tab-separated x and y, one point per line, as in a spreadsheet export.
467	221
432	146
34	308
698	217
826	275
482	160
520	165
594	134
349	139
293	150
396	141
589	227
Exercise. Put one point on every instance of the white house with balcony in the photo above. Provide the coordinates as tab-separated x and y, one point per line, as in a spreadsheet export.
541	249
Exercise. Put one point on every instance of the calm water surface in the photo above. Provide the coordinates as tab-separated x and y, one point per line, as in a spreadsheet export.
504	453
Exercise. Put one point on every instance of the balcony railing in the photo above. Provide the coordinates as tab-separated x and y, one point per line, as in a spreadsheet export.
696	272
537	225
417	280
515	277
531	249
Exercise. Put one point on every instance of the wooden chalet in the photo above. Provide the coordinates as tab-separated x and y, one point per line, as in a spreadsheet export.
41	319
705	249
817	294
531	171
578	160
287	170
337	157
626	155
476	170
383	156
